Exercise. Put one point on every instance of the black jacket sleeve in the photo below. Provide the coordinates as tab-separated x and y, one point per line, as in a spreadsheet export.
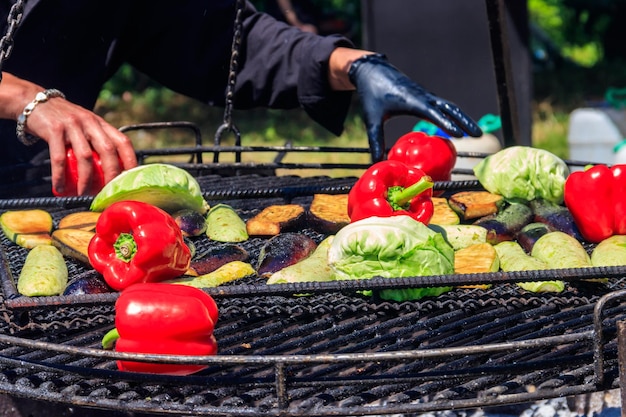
279	66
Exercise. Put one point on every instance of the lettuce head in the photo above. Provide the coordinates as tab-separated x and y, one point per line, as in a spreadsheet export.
163	185
391	247
523	173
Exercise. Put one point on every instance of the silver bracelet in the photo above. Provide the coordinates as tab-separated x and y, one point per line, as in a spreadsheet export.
41	97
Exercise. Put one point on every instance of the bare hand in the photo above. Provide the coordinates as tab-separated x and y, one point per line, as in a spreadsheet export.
62	124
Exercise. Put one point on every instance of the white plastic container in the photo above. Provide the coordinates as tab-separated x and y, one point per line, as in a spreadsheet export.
620	153
487	144
593	133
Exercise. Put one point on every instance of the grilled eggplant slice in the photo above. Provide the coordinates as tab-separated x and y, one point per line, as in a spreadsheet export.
73	243
276	219
505	225
283	250
475	204
89	283
216	256
27	228
443	213
313	268
329	213
556	216
191	222
85	220
530	233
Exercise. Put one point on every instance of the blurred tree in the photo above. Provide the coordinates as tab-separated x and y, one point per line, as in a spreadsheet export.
588	31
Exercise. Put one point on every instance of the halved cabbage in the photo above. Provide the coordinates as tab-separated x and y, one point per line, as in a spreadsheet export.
163	185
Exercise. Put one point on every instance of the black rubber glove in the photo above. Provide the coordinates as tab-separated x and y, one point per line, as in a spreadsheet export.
384	91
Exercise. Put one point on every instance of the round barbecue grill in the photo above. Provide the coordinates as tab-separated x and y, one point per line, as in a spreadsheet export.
330	352
317	349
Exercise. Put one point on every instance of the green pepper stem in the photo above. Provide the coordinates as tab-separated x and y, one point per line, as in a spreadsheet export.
125	247
108	341
403	197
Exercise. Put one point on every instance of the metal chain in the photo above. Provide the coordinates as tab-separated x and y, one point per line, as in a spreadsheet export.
13	21
227	125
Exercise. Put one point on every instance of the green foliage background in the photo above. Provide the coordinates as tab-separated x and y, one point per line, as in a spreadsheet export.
582	58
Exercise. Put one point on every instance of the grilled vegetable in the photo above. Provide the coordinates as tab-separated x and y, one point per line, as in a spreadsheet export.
391	247
283	250
475	259
460	236
87	284
85	220
530	233
163	185
137	242
328	213
27	228
73	243
191	222
276	219
223	224
556	216
443	213
475	204
523	173
391	188
216	256
560	250
505	225
228	272
161	318
513	258
44	272
313	268
610	252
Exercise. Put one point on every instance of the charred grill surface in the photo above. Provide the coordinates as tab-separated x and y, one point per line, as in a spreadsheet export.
334	352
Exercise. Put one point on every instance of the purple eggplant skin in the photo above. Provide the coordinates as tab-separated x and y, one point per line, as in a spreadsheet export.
531	233
87	284
209	260
191	222
283	250
556	216
504	225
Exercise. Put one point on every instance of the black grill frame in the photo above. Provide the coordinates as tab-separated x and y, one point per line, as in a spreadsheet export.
49	347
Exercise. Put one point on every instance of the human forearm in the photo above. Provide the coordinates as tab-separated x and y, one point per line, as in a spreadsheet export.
15	93
339	64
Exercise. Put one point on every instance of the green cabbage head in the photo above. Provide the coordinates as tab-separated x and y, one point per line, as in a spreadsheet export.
523	173
163	185
391	247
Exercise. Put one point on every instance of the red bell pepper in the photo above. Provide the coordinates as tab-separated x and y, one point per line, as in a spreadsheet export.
137	242
159	318
434	155
391	188
596	197
71	176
